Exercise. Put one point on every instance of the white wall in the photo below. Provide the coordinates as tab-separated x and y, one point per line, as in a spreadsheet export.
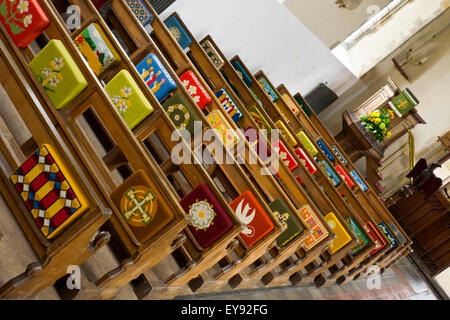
340	23
267	36
376	45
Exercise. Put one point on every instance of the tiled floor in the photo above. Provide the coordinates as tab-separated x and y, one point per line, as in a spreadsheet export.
401	282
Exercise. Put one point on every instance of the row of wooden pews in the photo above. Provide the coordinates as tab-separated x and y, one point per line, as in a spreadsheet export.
111	104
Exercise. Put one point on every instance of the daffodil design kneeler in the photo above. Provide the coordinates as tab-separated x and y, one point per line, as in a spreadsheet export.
207	220
128	98
58	74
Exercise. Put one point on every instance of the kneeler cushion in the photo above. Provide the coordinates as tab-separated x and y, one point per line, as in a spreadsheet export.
397	232
260	147
251	214
342	236
213	54
99	3
329	172
290	103
141	11
268	89
156	76
223	128
359	181
241	72
195	89
292	225
375	236
388	234
181	113
285	155
339	155
208	221
138	202
97	49
307	144
319	231
361	239
345	176
128	99
178	32
325	150
58	74
259	119
23	20
49	192
229	105
306	161
285	133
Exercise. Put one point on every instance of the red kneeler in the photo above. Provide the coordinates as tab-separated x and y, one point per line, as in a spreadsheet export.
208	221
24	21
252	215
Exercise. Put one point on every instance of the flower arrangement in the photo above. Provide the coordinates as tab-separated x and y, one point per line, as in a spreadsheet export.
378	123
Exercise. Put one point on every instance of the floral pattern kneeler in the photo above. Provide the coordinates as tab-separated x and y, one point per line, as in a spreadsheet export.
207	220
58	74
128	98
24	20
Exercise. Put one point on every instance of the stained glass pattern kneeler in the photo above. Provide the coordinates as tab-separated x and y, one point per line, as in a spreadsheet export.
58	74
48	192
319	232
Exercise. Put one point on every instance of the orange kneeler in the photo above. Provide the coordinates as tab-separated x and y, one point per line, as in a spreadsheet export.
253	216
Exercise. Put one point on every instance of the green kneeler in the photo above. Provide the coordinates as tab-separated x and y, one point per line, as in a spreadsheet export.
128	98
58	74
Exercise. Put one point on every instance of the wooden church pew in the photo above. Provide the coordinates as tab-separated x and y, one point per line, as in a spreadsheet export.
209	38
168	239
217	49
82	235
368	198
161	31
119	3
141	52
360	194
256	89
216	80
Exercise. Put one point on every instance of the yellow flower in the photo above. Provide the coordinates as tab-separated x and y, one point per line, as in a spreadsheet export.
389	134
377	121
382	126
375	114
